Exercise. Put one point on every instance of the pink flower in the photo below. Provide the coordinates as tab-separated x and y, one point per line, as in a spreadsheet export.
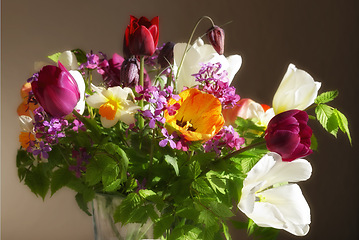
289	135
56	90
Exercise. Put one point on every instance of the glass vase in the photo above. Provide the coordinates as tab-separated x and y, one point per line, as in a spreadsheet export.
104	206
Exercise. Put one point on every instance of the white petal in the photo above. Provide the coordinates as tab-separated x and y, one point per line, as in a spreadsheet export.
26	123
80	82
108	123
127	117
234	64
293	207
96	100
68	59
294	171
296	91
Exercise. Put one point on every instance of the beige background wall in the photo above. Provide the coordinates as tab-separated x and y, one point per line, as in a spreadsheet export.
319	36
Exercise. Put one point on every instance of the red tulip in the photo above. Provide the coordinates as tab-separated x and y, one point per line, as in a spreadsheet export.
56	90
141	37
289	135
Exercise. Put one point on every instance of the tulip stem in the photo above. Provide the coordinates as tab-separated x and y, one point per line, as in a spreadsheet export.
190	40
141	123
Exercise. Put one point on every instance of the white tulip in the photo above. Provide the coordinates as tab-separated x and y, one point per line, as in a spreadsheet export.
270	198
68	59
296	91
201	53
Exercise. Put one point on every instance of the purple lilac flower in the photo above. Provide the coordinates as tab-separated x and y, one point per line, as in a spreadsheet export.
92	62
226	138
33	78
216	83
82	159
42	151
168	139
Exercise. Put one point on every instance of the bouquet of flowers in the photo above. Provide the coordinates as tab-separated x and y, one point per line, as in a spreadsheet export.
162	127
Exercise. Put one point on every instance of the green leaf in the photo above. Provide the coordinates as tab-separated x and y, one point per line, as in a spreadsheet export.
343	123
110	174
113	186
201	186
226	231
38	180
332	124
173	162
207	218
82	203
55	57
80	55
216	182
60	178
323	113
125	210
314	143
220	209
162	225
326	97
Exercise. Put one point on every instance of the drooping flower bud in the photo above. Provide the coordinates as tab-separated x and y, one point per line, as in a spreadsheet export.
165	57
216	37
130	72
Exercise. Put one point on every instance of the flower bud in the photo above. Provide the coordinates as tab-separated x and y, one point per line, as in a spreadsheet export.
56	90
130	72
216	37
141	37
289	135
165	57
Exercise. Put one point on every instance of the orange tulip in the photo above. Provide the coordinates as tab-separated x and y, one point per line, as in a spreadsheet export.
199	117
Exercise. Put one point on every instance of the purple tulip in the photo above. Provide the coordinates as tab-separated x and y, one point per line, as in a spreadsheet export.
56	90
289	135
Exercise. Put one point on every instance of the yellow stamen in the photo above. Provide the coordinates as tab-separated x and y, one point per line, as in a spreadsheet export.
108	110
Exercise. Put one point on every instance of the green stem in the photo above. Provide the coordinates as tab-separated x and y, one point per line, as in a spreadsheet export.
189	42
242	150
141	122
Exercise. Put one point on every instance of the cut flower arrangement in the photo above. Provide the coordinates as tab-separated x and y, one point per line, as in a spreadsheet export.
165	130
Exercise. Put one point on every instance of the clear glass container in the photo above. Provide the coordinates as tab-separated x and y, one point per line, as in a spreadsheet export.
104	206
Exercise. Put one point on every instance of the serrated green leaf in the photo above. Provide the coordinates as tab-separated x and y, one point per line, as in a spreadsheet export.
113	186
188	212
38	180
55	57
60	178
332	124
323	113
201	186
173	162
195	169
82	203
110	174
220	209
343	123
326	97
207	218
162	225
125	210
217	183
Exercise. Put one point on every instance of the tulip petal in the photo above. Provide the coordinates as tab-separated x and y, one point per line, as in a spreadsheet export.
292	206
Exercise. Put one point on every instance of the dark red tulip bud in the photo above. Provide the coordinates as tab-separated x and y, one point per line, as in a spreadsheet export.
289	135
141	37
216	37
165	57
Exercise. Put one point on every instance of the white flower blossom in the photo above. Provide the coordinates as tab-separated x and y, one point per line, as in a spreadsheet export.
201	53
271	199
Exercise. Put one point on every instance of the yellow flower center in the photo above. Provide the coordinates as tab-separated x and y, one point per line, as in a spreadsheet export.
108	110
